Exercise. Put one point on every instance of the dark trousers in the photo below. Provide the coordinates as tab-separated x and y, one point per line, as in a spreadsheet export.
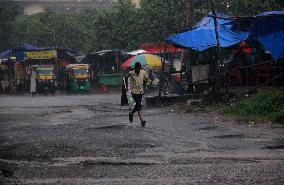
124	101
138	99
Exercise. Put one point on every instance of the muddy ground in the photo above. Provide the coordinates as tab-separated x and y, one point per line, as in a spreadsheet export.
87	139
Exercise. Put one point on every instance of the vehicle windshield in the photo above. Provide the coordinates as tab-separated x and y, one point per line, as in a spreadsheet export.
45	72
81	71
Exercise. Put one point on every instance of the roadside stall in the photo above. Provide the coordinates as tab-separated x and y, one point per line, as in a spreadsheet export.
44	63
13	69
172	75
105	67
255	45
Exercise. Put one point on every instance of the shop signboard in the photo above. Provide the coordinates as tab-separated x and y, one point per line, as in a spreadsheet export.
38	55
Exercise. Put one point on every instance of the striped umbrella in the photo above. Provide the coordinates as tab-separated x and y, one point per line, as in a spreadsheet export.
146	60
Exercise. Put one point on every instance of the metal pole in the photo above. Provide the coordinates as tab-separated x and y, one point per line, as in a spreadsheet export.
10	67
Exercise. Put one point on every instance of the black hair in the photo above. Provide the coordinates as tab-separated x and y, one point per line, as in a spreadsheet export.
137	67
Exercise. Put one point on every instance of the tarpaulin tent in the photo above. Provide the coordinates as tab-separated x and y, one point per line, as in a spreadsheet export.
268	28
27	47
136	52
203	35
18	51
155	48
5	54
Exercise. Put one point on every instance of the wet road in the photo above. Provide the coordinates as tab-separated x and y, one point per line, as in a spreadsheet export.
87	140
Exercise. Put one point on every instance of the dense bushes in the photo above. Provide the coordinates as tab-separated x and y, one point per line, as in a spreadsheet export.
264	106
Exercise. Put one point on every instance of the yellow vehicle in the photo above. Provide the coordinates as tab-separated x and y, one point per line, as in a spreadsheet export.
45	78
78	77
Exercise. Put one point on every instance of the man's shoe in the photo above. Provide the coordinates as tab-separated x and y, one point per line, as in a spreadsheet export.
130	117
143	123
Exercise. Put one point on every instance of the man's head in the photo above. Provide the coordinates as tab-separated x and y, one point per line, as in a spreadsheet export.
137	67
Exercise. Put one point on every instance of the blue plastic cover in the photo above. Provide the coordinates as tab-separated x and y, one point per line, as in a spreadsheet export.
274	43
268	28
26	47
5	54
203	35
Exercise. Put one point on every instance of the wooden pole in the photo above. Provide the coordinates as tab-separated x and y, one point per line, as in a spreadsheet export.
189	22
216	86
189	14
165	31
217	34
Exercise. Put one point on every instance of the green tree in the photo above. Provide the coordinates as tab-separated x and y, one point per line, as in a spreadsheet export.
239	7
160	18
52	29
8	14
125	26
114	28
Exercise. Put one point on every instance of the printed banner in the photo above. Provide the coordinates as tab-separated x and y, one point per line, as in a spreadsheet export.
41	54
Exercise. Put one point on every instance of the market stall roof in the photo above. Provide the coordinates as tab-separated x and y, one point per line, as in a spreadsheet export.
155	48
5	54
203	35
103	52
267	28
26	47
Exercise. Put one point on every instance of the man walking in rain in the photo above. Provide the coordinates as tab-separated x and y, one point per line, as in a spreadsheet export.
137	77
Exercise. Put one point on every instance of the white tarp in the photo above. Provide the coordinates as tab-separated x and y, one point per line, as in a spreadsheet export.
136	52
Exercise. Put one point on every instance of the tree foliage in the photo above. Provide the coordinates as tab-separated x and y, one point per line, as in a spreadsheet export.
123	27
8	14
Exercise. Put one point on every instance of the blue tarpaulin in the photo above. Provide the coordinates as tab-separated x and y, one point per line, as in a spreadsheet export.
274	43
267	28
26	47
5	54
203	35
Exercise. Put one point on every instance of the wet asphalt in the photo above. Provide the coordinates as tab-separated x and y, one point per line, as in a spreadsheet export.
87	139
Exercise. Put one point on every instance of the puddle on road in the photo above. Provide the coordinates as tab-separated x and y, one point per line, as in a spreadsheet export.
110	127
274	147
208	128
138	145
91	161
229	136
212	160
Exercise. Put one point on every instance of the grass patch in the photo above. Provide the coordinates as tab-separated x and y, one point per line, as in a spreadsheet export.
263	107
